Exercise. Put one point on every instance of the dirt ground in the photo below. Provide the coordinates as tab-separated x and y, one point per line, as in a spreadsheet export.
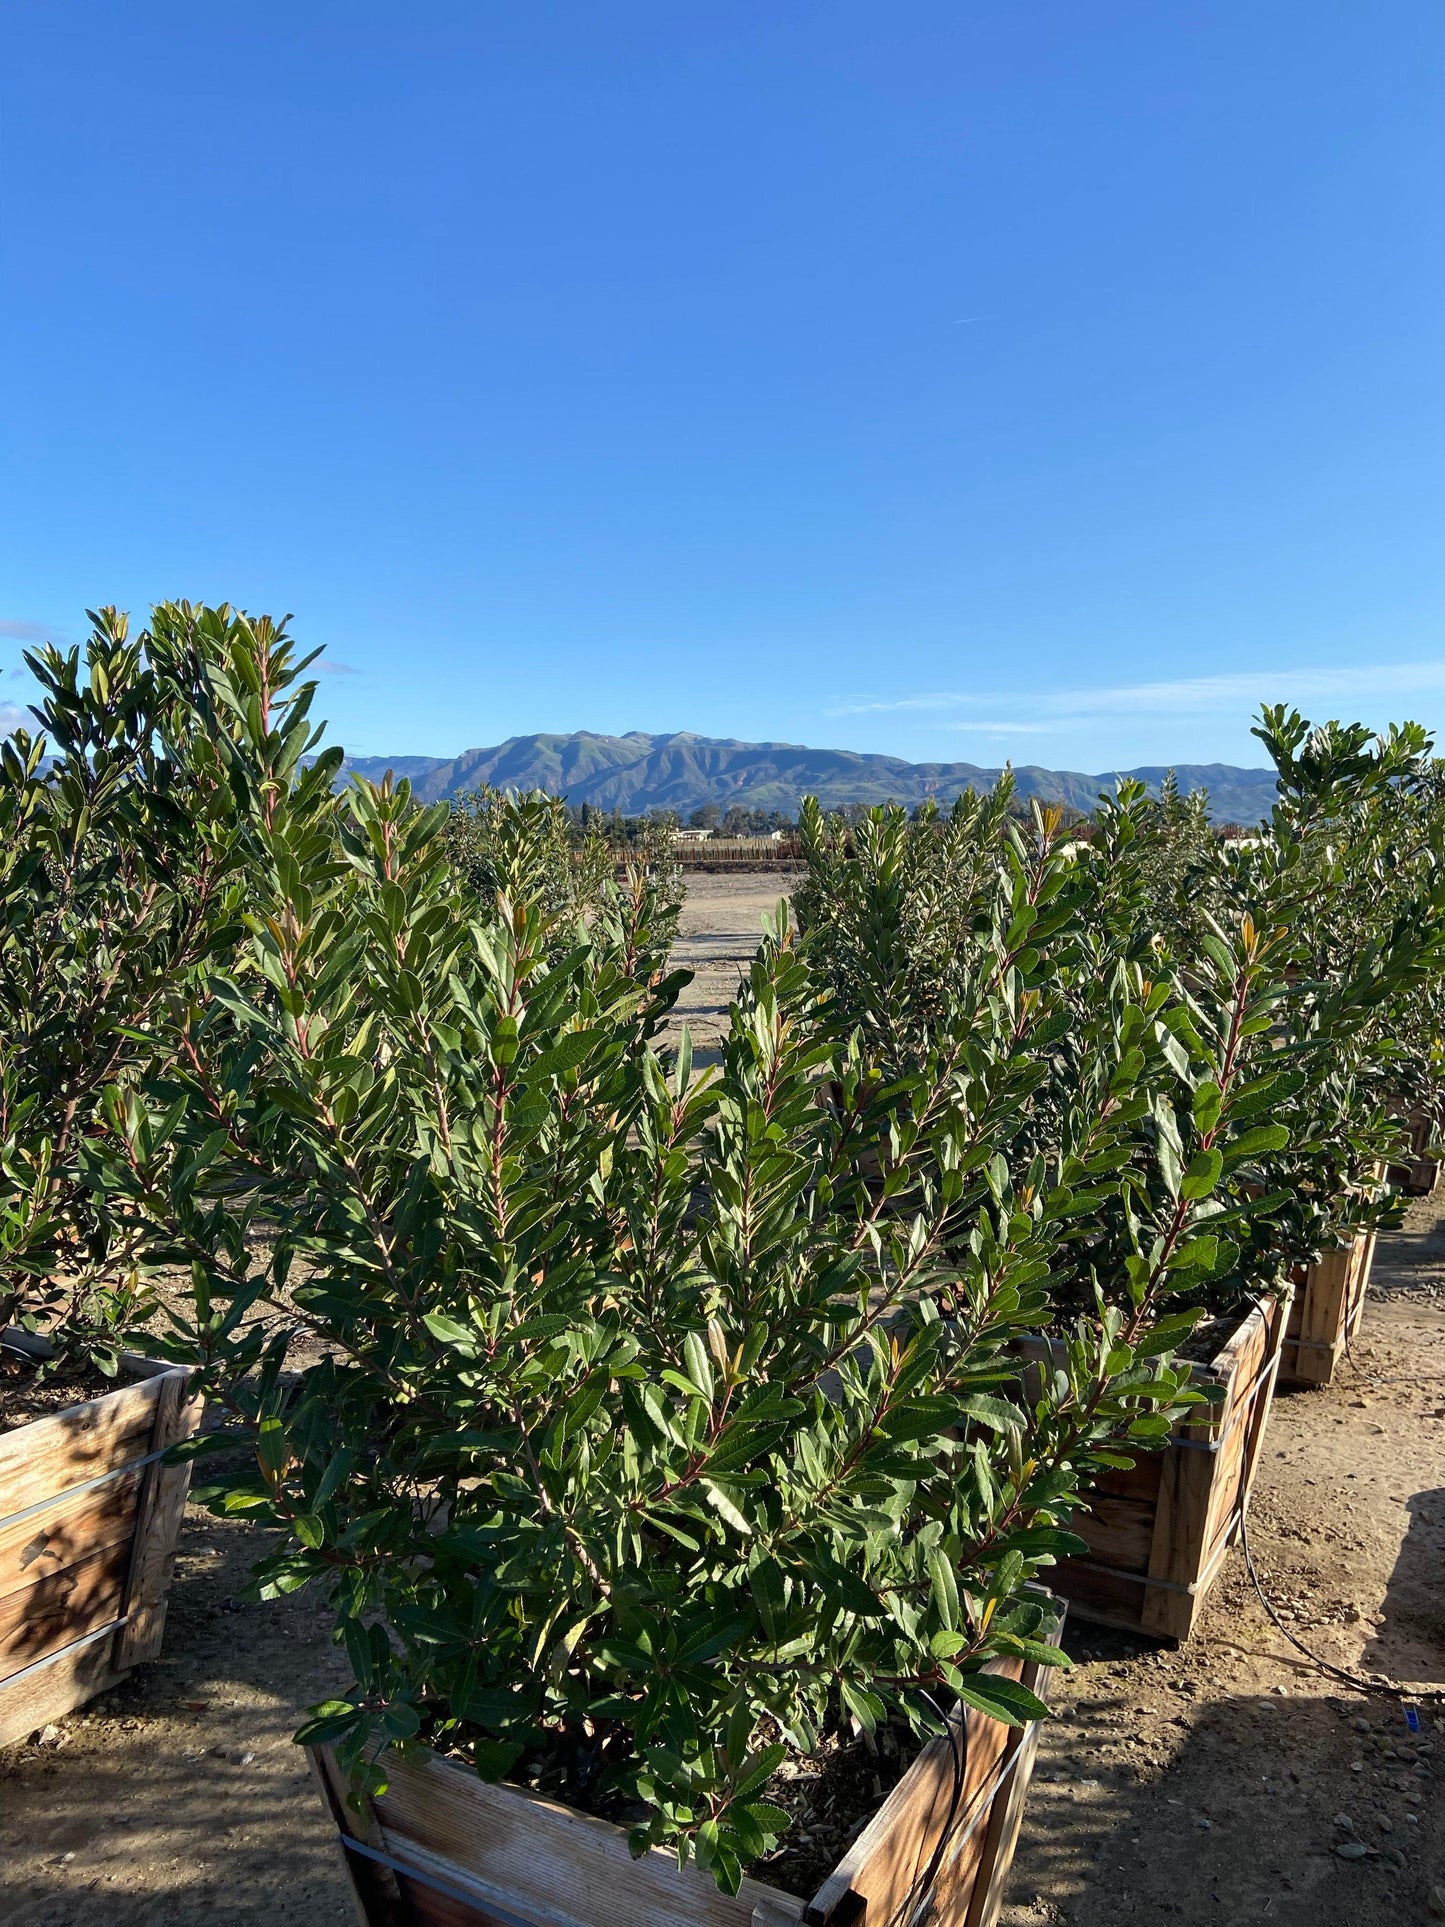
722	920
1209	1784
1216	1782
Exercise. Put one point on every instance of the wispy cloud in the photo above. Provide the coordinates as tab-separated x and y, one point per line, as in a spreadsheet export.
24	631
1011	729
12	719
1191	695
328	666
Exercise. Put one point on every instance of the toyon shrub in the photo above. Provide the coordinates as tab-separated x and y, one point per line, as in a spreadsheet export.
119	889
1342	894
643	1422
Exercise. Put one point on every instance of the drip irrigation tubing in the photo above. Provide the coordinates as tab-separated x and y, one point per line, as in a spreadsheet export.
1361	1682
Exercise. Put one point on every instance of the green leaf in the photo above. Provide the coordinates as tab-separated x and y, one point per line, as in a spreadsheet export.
1194	1253
760	1769
865	1707
1001	1699
566	1055
699	1366
945	1588
1202	1175
726	1507
1208	1101
766	1578
771	1820
271	1447
1259	1141
1168	1333
448	1332
332	1721
993	1412
495	1758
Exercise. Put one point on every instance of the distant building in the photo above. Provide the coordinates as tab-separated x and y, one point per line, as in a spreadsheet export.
693	836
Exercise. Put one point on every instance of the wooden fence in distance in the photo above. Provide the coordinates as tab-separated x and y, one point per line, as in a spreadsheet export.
738	853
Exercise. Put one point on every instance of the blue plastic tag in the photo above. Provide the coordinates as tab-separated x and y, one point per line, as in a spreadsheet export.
1412	1718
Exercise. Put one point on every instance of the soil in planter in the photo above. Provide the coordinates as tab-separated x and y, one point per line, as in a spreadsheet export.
27	1394
830	1796
1211	1335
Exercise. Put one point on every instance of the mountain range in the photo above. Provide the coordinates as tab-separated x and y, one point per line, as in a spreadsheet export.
637	772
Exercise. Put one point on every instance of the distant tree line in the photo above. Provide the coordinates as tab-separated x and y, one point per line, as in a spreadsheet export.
586	827
626	832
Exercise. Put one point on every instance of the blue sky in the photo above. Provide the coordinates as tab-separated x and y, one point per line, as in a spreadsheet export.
1046	381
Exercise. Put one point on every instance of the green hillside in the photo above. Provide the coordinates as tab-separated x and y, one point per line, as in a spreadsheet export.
638	772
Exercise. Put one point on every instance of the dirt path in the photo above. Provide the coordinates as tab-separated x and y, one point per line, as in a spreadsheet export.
179	1798
721	924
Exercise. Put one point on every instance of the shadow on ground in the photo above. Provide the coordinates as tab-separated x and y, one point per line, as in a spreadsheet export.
1152	1802
1409	1642
179	1799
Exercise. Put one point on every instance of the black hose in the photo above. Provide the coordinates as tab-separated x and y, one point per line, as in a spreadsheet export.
1362	1682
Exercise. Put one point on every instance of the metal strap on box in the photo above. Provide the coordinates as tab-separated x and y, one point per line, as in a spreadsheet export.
982	1810
1243	1408
85	1485
1205	1579
64	1652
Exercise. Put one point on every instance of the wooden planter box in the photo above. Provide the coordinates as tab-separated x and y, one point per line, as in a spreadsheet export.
88	1524
1417	1175
1158	1533
1329	1302
441	1848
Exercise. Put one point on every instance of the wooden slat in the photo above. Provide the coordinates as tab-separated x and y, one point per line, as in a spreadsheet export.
55	1690
1234	1370
52	1612
1203	1492
51	1454
1328	1305
880	1877
162	1507
1119	1532
428	1908
1180	1537
1140	1481
546	1855
1318	1313
81	1523
431	1903
1263	1401
986	1902
375	1893
1361	1285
